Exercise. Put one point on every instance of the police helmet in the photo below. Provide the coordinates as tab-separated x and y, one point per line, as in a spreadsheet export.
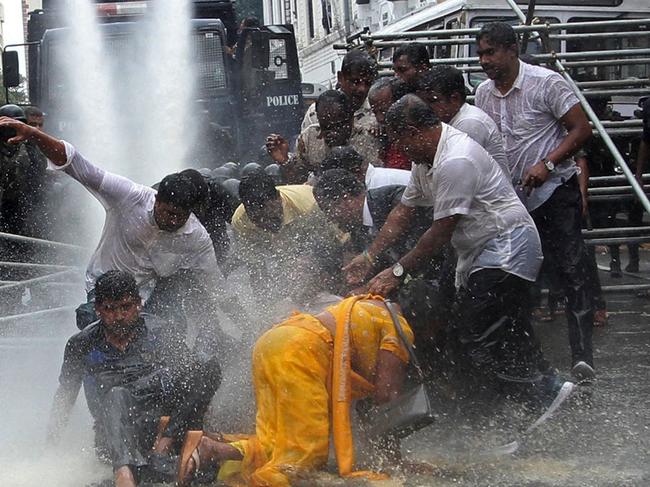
250	168
13	111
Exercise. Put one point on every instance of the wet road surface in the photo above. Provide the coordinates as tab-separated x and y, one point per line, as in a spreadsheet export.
601	438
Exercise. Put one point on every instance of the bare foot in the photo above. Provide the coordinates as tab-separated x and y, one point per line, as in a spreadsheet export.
163	445
124	477
211	454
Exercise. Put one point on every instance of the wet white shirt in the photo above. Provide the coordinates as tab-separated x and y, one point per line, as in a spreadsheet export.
495	230
528	116
131	241
480	127
376	177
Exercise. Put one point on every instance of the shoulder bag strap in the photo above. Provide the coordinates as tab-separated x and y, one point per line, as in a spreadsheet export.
402	335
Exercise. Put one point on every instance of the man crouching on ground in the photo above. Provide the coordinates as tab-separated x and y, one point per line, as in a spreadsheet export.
134	370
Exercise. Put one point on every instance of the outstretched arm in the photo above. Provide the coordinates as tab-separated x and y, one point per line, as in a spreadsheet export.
54	149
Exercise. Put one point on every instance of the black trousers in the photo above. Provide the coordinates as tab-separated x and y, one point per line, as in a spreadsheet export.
559	223
130	414
496	342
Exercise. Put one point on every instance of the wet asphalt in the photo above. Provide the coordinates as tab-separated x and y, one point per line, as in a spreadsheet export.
600	437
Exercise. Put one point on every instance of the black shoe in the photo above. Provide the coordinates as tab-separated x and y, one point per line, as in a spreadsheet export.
615	268
632	266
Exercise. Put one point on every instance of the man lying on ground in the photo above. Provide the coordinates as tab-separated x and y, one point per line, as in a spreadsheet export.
352	346
134	370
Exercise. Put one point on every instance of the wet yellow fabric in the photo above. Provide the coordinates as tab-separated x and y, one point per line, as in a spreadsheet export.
292	374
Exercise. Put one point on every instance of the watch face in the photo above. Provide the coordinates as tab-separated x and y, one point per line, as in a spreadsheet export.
398	270
549	165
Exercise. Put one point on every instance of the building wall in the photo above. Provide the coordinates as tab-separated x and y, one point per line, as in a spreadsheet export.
319	61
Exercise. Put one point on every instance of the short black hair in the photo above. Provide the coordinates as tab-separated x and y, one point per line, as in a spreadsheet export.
257	189
410	111
398	88
33	111
359	61
336	184
115	285
344	157
200	185
443	79
334	97
179	190
498	34
416	54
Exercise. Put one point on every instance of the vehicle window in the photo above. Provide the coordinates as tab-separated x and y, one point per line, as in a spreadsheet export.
475	78
278	58
209	59
639	70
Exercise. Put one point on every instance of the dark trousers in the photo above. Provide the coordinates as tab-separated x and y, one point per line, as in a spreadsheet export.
559	223
129	414
494	336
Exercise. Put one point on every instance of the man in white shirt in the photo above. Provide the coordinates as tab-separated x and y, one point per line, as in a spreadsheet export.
347	158
499	252
151	235
543	125
443	88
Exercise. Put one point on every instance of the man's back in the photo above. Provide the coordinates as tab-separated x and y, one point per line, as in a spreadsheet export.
480	127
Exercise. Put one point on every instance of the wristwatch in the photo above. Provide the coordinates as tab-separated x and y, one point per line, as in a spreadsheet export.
550	165
398	270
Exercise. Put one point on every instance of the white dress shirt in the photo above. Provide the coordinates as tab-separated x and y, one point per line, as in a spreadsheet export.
528	116
131	241
495	230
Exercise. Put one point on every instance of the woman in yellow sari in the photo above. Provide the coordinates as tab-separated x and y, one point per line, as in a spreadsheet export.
306	372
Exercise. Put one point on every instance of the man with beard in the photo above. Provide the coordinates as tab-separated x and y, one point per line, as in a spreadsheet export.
134	370
543	126
336	127
499	253
151	234
358	72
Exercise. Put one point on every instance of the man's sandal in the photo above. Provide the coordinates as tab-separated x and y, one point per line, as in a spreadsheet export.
190	451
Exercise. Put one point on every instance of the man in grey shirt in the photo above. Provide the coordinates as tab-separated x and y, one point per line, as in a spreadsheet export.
499	252
543	125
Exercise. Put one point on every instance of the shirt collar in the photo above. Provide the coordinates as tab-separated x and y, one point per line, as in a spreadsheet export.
441	143
459	113
367	216
369	172
518	83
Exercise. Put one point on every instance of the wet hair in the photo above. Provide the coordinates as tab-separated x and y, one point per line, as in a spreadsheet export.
498	34
33	111
179	190
358	61
410	111
398	88
251	22
445	80
416	54
257	189
336	184
335	97
343	157
200	185
115	285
